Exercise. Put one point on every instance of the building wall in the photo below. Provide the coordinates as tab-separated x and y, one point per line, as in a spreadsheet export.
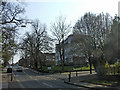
57	55
50	59
70	51
79	61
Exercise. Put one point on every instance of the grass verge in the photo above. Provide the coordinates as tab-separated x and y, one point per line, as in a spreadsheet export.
103	82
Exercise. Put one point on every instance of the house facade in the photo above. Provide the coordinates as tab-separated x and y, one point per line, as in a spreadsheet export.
72	51
50	59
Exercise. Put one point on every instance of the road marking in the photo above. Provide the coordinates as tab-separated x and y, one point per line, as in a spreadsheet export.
38	81
20	83
18	80
48	85
28	75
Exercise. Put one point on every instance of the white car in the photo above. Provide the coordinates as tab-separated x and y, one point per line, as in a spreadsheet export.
19	69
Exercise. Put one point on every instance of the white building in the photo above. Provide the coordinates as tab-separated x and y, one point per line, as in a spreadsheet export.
72	50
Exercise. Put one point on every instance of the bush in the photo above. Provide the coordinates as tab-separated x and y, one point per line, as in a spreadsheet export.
2	67
117	64
107	65
112	69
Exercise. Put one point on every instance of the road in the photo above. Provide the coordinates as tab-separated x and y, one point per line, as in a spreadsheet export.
29	79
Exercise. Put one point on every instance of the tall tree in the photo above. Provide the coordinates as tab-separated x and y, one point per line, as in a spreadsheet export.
42	40
37	43
8	43
112	40
85	26
95	28
11	18
60	30
10	12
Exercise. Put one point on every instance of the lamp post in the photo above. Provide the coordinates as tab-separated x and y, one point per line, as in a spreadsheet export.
12	62
13	50
12	70
12	56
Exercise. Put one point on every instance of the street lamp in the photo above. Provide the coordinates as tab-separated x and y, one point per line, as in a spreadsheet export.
23	25
14	53
12	57
12	67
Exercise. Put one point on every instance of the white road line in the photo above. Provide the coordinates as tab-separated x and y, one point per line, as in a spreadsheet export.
48	85
20	83
38	81
28	75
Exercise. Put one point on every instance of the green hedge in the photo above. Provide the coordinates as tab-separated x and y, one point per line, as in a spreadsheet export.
58	68
66	68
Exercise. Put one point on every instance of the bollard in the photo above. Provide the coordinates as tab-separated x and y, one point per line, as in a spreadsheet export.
76	73
69	77
11	77
114	70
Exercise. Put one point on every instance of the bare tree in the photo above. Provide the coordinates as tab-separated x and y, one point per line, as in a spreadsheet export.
94	27
27	48
85	26
37	43
60	30
10	19
11	13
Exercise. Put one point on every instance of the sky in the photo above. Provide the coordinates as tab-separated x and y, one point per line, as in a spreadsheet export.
47	11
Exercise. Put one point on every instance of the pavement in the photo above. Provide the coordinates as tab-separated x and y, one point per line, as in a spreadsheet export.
78	81
6	80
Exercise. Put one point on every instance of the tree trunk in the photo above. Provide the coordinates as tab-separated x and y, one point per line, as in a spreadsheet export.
5	64
63	59
100	66
41	68
90	63
94	62
60	54
36	65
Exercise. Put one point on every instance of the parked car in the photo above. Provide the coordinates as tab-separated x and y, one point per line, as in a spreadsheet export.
9	69
19	69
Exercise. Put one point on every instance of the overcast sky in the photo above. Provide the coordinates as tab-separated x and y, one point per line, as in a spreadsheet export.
48	10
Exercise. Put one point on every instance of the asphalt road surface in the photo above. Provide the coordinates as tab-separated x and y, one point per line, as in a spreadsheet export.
29	79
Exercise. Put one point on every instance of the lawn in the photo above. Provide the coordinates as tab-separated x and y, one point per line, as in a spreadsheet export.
84	68
58	68
103	82
66	68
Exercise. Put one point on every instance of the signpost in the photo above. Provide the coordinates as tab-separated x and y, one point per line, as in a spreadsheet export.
49	68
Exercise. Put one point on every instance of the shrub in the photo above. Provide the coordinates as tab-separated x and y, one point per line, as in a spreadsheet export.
117	64
112	69
107	65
